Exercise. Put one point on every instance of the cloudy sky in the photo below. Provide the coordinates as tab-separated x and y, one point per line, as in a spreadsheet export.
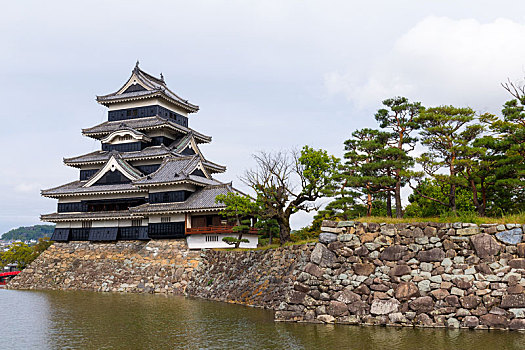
268	75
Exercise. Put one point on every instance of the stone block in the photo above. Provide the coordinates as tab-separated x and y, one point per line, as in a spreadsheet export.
394	253
517	324
384	307
322	256
485	245
494	321
331	229
313	270
468	231
470	321
513	236
406	290
329	223
346	224
400	270
347	296
513	301
364	269
517	263
434	254
521	250
430	231
326	318
337	308
470	301
327	237
422	304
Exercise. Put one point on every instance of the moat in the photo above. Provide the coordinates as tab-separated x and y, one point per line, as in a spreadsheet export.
87	320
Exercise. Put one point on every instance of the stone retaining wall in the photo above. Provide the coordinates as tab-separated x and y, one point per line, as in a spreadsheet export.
423	274
162	266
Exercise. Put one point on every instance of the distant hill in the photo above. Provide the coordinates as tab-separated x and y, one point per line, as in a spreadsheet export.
29	232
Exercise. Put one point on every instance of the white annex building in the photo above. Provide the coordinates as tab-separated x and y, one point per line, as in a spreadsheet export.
149	180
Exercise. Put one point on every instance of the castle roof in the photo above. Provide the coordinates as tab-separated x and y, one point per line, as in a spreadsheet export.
142	124
201	200
142	85
178	169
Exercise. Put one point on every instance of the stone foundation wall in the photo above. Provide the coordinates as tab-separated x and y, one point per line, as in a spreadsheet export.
424	274
257	278
162	266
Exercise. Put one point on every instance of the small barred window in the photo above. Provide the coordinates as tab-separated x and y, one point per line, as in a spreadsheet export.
165	219
212	238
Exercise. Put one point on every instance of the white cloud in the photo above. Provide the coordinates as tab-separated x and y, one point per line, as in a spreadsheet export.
441	61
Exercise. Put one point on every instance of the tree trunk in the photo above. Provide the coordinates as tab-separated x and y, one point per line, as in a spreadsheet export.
452	193
368	202
238	243
284	228
399	208
388	204
475	200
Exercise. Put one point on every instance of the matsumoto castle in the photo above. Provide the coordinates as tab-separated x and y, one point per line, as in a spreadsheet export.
149	180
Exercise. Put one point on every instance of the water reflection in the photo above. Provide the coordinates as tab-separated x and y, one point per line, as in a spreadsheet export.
84	320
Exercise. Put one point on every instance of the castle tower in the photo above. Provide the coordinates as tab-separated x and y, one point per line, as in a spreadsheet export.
150	180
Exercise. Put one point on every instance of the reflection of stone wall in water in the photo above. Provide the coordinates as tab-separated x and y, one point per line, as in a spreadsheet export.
422	274
425	274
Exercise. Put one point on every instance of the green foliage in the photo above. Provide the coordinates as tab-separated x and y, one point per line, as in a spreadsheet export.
235	241
19	253
22	254
423	207
28	233
288	182
239	208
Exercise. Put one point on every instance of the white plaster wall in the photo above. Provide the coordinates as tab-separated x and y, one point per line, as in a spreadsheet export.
197	241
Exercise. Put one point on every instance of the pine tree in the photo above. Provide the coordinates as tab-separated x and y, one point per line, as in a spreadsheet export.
399	118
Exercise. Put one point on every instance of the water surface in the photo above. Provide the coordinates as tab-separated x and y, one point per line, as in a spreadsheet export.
86	320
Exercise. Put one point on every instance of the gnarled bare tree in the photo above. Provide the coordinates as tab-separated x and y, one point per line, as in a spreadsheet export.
289	181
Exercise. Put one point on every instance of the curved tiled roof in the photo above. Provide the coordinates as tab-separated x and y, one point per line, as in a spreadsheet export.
76	187
102	156
139	124
202	199
155	87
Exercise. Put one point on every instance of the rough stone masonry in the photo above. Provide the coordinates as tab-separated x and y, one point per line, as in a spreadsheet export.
419	274
422	274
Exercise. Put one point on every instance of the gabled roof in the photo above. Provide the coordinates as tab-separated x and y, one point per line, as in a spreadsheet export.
115	163
144	85
176	170
142	124
201	200
152	152
188	141
98	157
135	135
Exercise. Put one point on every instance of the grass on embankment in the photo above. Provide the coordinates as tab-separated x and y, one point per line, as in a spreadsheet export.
468	217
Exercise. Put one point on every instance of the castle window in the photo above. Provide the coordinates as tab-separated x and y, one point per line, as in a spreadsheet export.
136	223
212	238
86	224
165	219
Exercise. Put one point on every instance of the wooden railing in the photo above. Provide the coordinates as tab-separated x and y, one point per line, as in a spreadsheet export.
217	229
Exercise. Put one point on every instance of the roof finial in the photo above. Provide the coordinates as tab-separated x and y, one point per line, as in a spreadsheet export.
161	77
137	64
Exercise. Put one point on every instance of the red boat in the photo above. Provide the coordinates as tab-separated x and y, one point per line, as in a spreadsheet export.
6	277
